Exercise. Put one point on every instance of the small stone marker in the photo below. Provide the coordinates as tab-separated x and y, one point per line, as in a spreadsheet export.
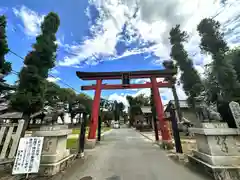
235	109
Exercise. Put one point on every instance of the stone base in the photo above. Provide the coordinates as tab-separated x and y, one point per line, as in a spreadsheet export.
217	160
177	156
51	169
53	158
216	172
168	145
102	137
90	143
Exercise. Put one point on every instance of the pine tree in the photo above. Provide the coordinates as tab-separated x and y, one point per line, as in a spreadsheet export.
30	94
5	67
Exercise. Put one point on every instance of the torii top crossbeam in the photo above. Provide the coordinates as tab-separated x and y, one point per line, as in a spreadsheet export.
132	74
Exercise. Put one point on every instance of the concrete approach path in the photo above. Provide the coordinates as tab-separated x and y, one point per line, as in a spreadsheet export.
125	154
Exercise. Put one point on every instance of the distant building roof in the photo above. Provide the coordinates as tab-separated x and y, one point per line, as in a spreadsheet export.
4	106
11	115
182	104
105	109
6	86
146	109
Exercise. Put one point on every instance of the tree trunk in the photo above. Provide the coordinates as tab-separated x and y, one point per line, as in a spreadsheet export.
26	118
176	100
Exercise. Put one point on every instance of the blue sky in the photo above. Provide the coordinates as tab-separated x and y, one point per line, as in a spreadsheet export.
98	35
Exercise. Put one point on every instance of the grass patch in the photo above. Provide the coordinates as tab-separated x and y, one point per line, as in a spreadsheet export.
72	142
77	130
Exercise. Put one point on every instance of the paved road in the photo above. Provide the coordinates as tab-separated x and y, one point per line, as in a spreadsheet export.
124	154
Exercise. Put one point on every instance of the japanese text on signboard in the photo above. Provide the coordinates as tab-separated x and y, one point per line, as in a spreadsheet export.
28	155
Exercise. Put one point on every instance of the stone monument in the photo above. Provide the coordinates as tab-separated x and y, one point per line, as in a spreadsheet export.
55	155
235	110
218	147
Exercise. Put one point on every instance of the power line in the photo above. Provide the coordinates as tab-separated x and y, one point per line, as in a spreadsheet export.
15	72
65	83
16	54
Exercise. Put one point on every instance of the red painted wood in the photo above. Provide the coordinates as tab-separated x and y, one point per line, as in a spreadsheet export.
130	86
132	74
95	111
160	112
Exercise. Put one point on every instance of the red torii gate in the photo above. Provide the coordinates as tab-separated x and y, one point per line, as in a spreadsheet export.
152	74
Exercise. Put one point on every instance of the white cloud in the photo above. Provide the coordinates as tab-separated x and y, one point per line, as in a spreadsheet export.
54	71
119	98
53	79
31	20
141	81
157	17
147	20
152	20
165	93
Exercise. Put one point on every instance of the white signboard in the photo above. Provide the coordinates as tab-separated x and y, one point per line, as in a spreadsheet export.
28	155
235	109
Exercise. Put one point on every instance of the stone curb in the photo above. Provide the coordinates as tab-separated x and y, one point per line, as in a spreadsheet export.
181	158
106	132
157	143
173	155
146	136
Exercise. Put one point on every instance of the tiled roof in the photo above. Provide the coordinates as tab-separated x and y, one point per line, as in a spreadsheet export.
4	106
146	109
182	103
11	115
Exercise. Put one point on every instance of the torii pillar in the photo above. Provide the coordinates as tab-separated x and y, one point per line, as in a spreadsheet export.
166	137
95	111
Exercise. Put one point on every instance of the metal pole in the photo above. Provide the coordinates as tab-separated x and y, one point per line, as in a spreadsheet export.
155	128
82	136
176	135
99	128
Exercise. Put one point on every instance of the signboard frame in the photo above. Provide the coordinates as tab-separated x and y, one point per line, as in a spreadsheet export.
28	155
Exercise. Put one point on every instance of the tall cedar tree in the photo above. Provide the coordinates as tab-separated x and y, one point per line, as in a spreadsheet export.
211	85
192	84
30	94
5	67
233	57
212	42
